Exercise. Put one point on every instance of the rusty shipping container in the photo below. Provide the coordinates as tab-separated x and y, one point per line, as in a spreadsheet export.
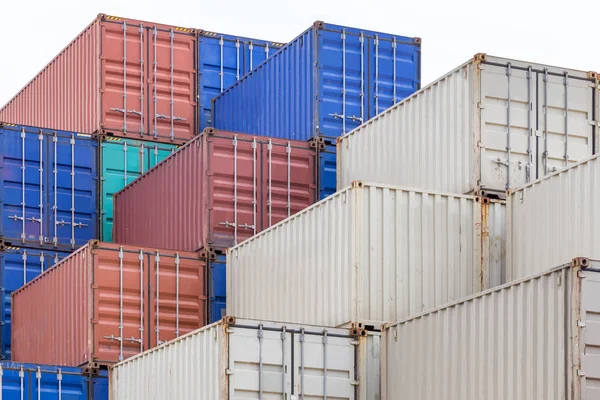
107	302
120	77
219	189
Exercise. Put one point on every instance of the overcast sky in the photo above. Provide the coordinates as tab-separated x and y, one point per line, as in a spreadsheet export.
559	33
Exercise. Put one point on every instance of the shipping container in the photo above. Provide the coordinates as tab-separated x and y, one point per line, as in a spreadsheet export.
222	61
121	162
217	190
535	338
218	288
48	187
107	302
369	253
555	218
120	77
49	382
238	358
490	124
17	267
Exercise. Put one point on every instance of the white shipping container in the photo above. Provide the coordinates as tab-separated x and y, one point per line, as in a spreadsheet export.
556	218
536	338
369	253
242	359
491	124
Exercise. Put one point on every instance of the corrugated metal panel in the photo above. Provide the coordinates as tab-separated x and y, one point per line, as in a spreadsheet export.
121	162
228	185
48	184
222	61
495	242
525	352
17	267
335	77
590	338
49	382
218	288
104	292
370	252
453	134
556	218
119	76
263	360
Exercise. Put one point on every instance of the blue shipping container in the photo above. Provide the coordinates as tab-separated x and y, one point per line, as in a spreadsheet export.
223	60
327	173
17	267
48	187
218	288
48	382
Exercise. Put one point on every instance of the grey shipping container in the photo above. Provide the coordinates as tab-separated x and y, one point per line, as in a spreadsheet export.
235	359
553	220
490	124
369	253
535	338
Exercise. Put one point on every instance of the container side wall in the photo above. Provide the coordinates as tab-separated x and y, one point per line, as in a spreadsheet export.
496	245
459	352
74	104
327	172
554	219
17	267
191	367
37	307
424	141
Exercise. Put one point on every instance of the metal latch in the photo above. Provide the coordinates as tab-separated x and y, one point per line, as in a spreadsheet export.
581	324
501	161
354	383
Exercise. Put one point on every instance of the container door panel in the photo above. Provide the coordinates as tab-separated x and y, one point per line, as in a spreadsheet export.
23	163
327	172
249	347
171	77
557	94
50	385
255	52
217	288
124	59
501	169
590	336
233	168
122	162
119	304
155	153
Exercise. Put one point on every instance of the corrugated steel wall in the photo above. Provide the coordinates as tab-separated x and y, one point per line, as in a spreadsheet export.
371	253
554	220
510	343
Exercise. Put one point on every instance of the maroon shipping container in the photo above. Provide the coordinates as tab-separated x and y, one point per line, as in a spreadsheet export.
217	190
106	302
119	77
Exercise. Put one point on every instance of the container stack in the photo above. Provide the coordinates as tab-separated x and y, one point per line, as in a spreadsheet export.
243	218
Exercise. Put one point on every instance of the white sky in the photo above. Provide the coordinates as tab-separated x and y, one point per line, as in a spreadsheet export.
564	33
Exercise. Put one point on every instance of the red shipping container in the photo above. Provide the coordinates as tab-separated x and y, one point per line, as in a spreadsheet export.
119	77
106	302
219	189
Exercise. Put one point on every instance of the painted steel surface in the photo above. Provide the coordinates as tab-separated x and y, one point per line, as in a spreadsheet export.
247	359
218	288
222	61
228	186
327	173
49	382
107	302
120	76
454	134
325	82
370	253
17	267
555	218
121	162
534	338
48	186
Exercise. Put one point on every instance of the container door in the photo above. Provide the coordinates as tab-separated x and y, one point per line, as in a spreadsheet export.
288	181
260	360
564	137
255	52
590	336
171	76
23	167
120	282
178	300
121	162
508	101
72	184
327	172
29	382
156	152
233	189
17	267
217	288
